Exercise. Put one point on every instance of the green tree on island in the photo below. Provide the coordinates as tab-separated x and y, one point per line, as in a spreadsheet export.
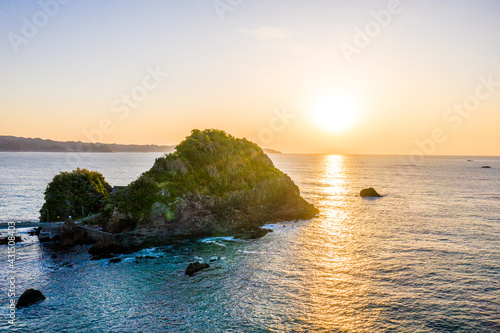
76	193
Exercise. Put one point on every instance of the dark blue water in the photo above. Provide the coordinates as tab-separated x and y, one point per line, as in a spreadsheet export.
424	258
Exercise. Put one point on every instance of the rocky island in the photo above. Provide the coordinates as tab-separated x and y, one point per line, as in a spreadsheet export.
212	185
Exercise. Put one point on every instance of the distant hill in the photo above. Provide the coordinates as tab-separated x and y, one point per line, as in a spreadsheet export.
13	143
18	144
270	151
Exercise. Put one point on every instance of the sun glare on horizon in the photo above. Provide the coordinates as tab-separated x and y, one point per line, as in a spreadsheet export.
335	112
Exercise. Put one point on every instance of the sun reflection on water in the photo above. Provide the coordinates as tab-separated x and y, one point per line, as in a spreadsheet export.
337	291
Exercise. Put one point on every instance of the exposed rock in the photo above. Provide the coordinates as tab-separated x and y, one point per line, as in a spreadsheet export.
5	240
30	297
72	235
101	256
35	231
126	243
369	192
253	233
195	267
146	257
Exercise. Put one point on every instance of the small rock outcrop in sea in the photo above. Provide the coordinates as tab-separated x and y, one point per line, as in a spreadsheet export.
35	231
486	167
212	185
195	267
252	234
369	193
29	297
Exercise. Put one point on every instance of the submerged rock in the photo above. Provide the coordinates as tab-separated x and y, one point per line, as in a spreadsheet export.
195	267
101	256
115	260
30	297
369	192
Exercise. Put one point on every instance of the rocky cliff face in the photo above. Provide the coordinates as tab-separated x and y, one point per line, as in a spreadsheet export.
213	184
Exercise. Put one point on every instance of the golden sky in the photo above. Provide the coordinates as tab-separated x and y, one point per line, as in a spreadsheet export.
374	77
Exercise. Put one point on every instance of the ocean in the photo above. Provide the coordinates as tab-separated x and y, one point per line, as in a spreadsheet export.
423	258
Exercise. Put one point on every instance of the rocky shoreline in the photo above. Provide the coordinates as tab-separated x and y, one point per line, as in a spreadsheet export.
212	185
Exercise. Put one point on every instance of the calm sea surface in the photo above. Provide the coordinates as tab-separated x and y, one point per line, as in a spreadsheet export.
424	258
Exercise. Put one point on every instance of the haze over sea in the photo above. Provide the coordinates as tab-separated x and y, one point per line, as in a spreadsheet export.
423	258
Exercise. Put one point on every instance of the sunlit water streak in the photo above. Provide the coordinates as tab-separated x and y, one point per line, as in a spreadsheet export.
424	258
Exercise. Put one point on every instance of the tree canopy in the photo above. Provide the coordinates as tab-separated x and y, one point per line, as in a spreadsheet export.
76	194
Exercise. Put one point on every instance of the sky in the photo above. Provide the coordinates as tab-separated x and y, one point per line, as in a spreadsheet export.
333	77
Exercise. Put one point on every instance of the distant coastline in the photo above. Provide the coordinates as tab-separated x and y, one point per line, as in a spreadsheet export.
20	144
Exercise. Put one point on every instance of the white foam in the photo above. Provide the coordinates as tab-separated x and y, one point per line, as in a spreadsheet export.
218	240
249	252
272	226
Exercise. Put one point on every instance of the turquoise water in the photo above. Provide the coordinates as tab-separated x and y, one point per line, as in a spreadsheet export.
424	258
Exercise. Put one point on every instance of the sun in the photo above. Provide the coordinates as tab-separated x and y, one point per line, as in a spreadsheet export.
335	112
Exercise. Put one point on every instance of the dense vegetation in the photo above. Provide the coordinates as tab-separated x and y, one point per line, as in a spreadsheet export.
74	194
211	176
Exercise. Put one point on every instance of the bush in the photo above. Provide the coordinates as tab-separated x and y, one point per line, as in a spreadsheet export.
71	192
